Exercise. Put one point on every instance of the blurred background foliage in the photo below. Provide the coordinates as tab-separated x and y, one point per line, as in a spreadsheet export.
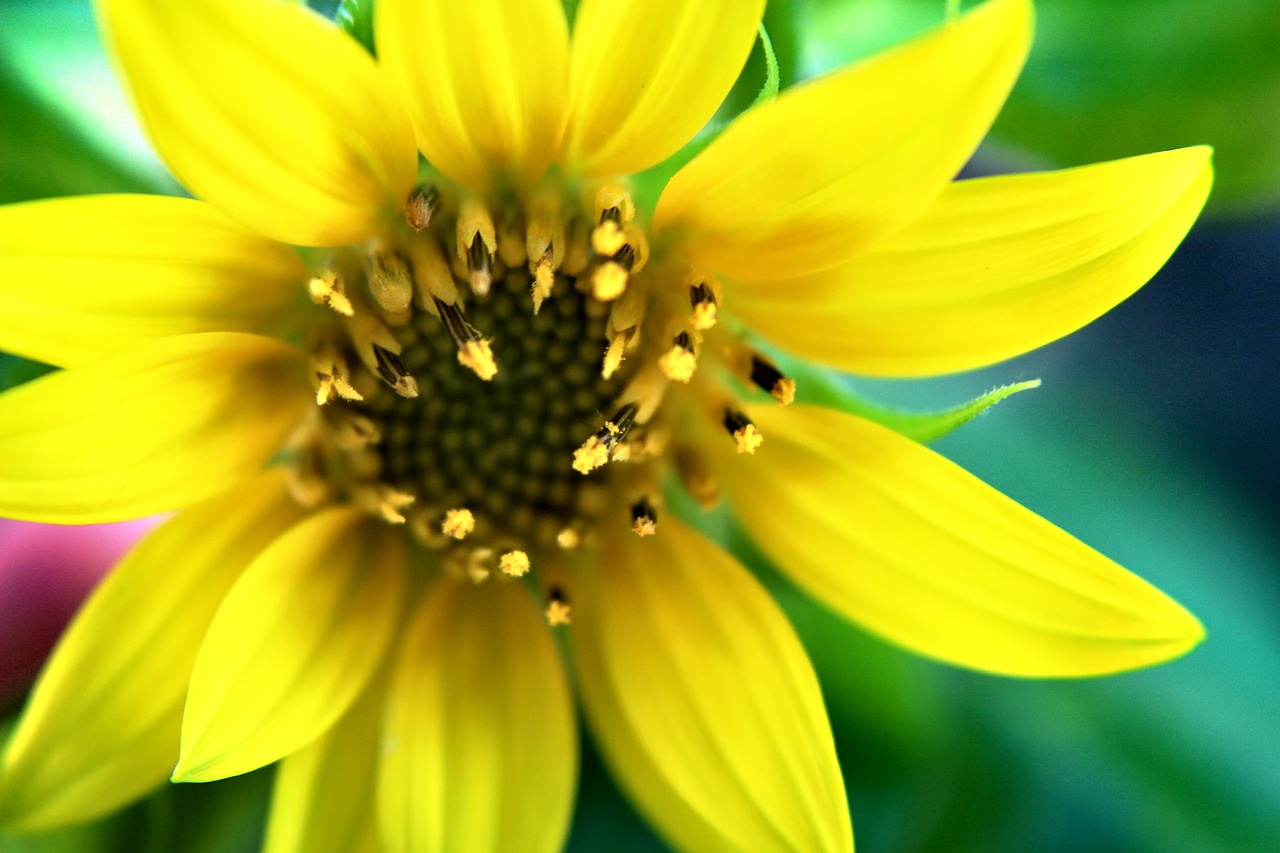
1152	438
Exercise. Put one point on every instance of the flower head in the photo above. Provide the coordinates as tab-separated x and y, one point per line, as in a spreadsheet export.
419	416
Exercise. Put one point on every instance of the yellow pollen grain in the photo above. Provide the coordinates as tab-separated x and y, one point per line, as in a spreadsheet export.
514	563
609	281
591	455
784	391
644	526
678	364
327	289
704	316
607	239
458	523
568	539
558	613
748	439
544	279
478	356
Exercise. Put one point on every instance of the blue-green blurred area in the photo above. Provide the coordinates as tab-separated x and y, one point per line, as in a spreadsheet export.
1152	439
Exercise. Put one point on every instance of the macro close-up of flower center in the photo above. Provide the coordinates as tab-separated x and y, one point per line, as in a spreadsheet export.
485	364
445	394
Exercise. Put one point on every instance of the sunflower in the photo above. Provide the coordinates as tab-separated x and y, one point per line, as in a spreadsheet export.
418	417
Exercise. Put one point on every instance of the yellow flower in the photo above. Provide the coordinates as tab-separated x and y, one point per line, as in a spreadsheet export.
490	368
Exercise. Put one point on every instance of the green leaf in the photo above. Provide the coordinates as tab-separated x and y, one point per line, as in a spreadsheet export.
773	73
820	386
356	17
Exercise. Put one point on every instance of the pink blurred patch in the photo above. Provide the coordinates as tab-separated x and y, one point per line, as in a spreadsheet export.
46	570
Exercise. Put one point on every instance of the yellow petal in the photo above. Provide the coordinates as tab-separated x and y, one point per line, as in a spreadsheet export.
914	548
147	430
811	179
323	797
485	80
646	76
480	745
102	725
704	702
84	277
268	111
997	267
293	645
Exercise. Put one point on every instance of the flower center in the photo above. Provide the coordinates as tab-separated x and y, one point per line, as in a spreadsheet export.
484	364
502	448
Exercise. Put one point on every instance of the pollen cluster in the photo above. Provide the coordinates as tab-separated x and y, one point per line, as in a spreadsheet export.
504	378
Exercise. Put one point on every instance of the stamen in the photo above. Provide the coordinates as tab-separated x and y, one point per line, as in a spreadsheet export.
625	316
597	449
474	351
767	377
569	539
679	362
514	563
511	239
557	608
544	239
327	288
703	301
431	272
385	502
394	373
609	281
613	202
607	238
644	518
477	569
614	352
745	435
332	378
477	243
479	267
696	477
577	252
307	477
421	206
544	280
458	523
389	281
352	431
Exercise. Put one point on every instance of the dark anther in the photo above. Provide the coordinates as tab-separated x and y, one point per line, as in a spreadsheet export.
682	340
642	511
478	257
765	375
700	294
734	421
390	368
611	214
455	322
626	257
616	428
557	595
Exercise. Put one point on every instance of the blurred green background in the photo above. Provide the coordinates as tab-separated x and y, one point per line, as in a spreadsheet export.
1152	439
